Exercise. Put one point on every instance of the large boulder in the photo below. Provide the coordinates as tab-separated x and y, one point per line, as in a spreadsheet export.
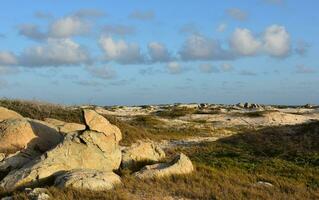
88	179
18	134
141	151
87	150
181	164
15	134
65	127
8	114
98	123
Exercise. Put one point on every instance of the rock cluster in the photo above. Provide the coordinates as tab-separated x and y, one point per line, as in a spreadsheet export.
35	153
248	105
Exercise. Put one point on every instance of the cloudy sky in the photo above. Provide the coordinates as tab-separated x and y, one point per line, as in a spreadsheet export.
148	52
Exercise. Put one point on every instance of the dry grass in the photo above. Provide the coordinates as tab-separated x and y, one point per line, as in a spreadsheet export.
40	110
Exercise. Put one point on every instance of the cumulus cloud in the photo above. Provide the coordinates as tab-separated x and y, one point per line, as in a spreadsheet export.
69	26
120	51
104	72
244	43
277	41
198	47
237	14
302	69
55	52
158	52
7	58
142	15
118	29
32	31
174	68
208	68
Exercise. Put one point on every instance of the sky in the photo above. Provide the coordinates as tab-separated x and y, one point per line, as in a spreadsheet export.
138	52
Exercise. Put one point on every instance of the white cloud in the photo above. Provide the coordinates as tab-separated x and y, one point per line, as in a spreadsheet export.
32	31
221	27
208	68
55	52
120	51
277	41
68	26
174	68
158	52
7	58
237	14
244	43
142	15
198	47
104	72
118	29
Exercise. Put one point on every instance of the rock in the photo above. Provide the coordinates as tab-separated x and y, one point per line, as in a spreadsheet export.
18	160
38	194
141	151
7	198
263	183
15	134
241	105
8	114
87	150
98	123
2	156
18	134
88	179
181	164
65	127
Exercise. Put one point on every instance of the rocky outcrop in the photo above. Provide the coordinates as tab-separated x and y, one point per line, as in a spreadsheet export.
65	127
82	150
181	164
88	179
98	123
141	151
8	114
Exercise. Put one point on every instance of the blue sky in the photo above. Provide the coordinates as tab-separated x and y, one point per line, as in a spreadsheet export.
151	52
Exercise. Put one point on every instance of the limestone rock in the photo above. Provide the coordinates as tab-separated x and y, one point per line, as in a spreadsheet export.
87	150
2	156
38	194
181	164
8	114
141	151
98	123
65	127
88	179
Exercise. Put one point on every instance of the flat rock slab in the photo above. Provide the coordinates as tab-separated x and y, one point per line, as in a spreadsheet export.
181	164
88	179
8	114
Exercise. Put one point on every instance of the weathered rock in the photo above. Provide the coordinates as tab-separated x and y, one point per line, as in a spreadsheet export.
15	134
8	114
18	159
98	123
88	179
87	150
181	164
2	156
141	151
38	194
18	134
65	127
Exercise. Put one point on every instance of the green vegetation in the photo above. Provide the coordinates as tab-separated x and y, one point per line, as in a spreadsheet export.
175	112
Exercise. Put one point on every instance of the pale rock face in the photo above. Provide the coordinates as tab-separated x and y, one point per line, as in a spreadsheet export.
8	114
141	151
98	123
15	134
87	150
181	164
88	179
65	127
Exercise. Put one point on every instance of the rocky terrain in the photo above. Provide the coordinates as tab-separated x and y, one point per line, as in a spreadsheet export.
180	151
